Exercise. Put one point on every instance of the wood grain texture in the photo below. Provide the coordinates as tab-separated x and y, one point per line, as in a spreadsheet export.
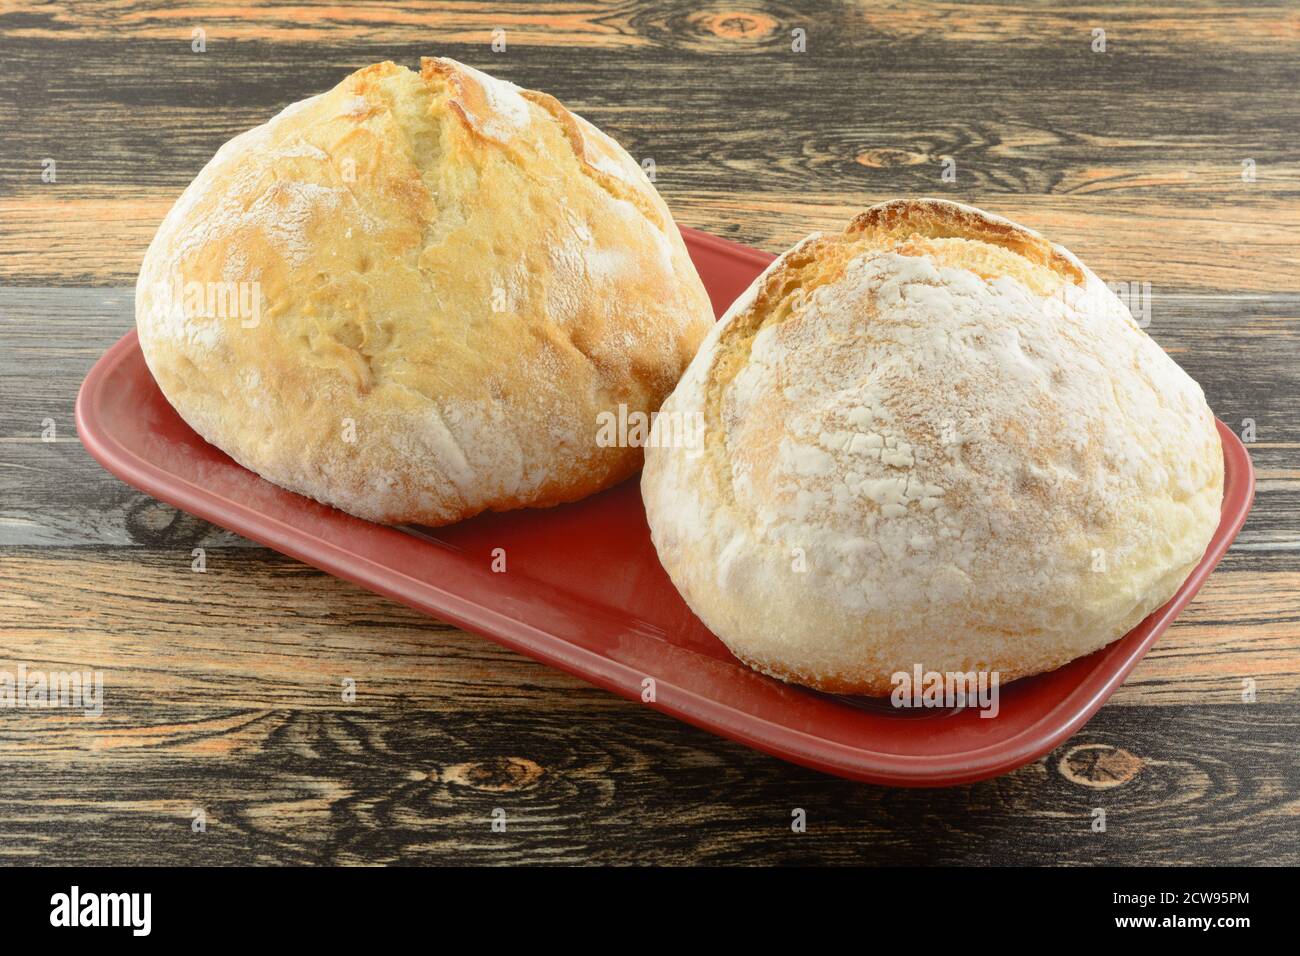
1131	157
1179	785
258	629
1241	348
1245	247
223	689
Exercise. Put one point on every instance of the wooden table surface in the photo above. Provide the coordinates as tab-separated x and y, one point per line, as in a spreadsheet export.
222	689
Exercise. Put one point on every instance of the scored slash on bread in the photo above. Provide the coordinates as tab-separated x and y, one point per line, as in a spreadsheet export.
932	439
454	279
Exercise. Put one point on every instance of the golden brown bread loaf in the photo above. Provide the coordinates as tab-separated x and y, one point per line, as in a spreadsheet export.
934	439
412	296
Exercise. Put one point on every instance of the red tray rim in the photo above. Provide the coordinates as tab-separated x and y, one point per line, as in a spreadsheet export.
707	713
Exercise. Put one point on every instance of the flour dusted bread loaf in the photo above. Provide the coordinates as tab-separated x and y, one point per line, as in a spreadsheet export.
412	296
932	439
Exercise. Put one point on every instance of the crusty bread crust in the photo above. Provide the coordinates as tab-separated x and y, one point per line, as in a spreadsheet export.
936	439
453	279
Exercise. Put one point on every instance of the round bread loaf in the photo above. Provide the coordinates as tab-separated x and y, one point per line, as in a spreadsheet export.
413	296
935	439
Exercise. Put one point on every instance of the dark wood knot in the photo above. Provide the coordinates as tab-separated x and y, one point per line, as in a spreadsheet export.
735	25
152	523
496	775
888	158
1099	766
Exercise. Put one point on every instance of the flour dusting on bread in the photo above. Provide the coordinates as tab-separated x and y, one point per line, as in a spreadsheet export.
446	293
931	439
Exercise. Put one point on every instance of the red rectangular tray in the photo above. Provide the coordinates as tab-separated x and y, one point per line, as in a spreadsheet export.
584	590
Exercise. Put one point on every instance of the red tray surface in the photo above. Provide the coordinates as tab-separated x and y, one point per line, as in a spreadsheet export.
584	590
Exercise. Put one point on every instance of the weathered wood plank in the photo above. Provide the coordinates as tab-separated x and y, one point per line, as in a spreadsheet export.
1133	157
676	23
1235	246
223	688
1242	350
409	785
261	630
57	495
